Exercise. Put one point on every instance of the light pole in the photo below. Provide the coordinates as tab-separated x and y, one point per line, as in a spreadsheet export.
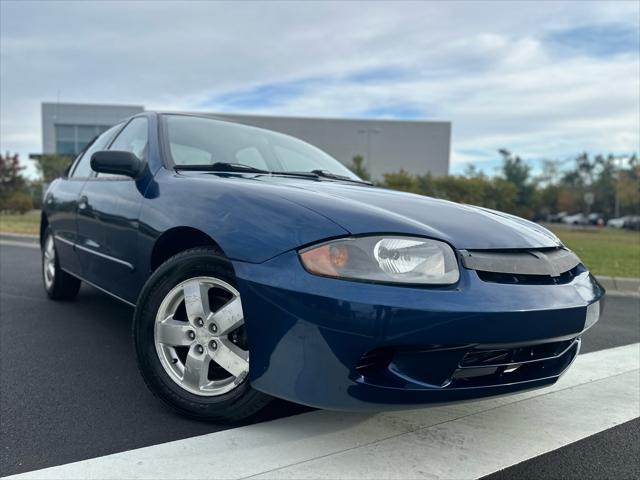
368	131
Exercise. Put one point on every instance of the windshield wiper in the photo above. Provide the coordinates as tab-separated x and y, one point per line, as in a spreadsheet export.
222	167
321	174
242	168
335	176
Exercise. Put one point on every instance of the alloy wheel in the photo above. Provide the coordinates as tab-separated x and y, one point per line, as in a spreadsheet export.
49	262
200	336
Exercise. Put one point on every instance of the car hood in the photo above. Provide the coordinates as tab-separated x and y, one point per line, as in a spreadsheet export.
363	209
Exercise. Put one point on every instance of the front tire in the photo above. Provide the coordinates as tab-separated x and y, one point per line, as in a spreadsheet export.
190	339
58	284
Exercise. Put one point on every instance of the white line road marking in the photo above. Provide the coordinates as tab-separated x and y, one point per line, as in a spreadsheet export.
460	441
480	444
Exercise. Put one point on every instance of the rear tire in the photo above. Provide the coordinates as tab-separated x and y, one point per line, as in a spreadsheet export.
58	284
191	357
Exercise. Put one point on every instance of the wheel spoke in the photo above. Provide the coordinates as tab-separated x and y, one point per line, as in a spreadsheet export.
229	317
231	357
196	300
196	368
173	332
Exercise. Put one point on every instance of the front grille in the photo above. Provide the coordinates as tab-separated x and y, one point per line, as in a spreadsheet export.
546	266
515	279
542	261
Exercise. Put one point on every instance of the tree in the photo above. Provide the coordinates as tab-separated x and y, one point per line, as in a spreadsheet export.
628	189
515	191
550	172
10	172
473	172
461	189
586	168
546	200
359	169
35	189
51	166
516	171
603	184
11	179
425	185
496	193
502	195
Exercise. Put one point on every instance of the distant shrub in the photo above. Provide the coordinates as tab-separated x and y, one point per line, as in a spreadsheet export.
357	167
17	202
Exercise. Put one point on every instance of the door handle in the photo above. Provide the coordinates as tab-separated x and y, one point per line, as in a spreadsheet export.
83	203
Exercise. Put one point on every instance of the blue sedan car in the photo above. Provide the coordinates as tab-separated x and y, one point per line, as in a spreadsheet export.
260	267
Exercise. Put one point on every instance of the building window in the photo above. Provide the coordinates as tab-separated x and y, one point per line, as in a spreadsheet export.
71	139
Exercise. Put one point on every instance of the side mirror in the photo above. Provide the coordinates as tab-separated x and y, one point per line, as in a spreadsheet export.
117	162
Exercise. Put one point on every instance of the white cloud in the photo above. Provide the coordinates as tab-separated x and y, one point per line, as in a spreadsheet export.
486	66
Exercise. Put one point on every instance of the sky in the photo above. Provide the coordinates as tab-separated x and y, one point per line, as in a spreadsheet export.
546	80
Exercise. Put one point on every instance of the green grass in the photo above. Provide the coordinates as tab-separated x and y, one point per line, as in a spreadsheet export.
15	223
614	253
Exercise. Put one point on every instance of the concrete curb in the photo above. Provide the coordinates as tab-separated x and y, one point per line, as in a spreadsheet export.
625	286
617	286
19	237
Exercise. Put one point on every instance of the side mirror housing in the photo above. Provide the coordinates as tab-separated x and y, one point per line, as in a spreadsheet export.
117	162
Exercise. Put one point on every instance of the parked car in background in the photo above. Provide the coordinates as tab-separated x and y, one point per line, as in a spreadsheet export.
596	219
576	219
261	267
618	222
632	222
557	217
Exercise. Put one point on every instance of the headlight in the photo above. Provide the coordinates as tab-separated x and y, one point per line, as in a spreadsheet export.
593	315
384	259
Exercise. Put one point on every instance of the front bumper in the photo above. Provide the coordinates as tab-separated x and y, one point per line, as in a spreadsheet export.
347	345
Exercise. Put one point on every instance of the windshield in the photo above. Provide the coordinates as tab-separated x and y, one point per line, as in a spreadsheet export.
199	141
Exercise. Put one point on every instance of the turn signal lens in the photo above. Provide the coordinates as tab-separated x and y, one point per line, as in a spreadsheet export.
318	261
339	256
384	259
326	259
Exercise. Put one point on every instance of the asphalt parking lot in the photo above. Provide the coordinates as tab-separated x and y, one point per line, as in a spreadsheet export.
70	389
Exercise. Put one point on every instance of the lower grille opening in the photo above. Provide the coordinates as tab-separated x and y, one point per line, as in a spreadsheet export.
482	357
486	366
374	361
465	366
